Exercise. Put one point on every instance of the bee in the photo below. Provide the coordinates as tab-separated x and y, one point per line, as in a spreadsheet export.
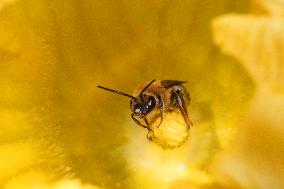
160	96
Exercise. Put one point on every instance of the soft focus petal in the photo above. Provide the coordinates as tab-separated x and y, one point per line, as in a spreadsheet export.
55	123
273	7
255	159
38	181
4	3
257	42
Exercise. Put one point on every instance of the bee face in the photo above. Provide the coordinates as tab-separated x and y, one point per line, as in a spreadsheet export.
141	107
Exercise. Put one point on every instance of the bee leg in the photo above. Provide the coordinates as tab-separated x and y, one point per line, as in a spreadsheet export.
150	134
146	121
181	105
161	105
138	122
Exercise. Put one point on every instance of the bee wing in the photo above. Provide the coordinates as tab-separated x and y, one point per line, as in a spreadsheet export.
170	83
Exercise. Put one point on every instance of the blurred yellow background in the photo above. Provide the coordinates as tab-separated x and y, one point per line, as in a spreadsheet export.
57	130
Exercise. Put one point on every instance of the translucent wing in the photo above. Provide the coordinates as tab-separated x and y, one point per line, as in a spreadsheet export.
170	83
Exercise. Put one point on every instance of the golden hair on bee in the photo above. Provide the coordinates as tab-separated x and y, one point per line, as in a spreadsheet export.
155	99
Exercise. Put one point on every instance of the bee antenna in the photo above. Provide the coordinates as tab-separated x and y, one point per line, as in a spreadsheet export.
145	88
117	92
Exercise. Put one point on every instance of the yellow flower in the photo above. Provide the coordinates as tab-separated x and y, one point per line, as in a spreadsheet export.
257	156
58	131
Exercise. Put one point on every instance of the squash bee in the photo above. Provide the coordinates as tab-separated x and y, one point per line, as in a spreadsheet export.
162	96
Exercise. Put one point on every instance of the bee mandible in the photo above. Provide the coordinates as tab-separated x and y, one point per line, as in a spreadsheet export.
161	95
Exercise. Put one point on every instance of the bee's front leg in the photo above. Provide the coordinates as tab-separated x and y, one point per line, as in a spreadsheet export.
146	121
138	122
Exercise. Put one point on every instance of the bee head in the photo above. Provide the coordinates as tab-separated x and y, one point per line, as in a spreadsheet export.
141	107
